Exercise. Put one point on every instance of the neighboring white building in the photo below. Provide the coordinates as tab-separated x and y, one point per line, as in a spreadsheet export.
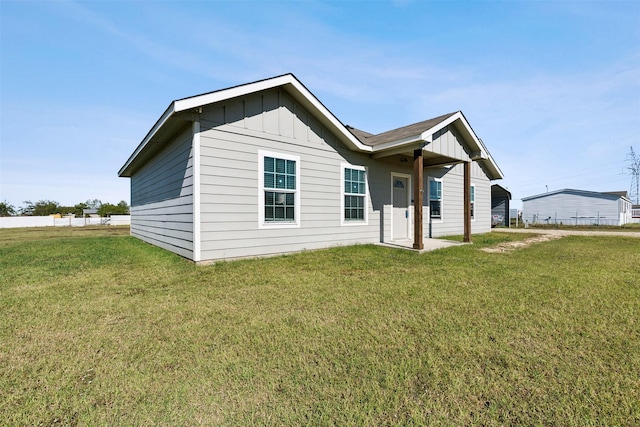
265	168
577	207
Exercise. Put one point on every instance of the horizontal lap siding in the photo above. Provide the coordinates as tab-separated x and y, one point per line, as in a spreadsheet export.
162	198
452	222
229	181
482	221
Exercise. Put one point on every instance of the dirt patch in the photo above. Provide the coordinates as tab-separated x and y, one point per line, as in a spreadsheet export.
512	246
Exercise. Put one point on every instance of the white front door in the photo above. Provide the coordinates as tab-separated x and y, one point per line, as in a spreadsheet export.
400	213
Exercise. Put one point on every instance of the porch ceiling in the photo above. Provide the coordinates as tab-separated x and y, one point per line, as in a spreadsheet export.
430	159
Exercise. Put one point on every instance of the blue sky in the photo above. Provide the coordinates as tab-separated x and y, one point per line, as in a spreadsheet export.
552	88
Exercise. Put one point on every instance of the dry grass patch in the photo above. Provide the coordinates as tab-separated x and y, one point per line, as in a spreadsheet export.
519	244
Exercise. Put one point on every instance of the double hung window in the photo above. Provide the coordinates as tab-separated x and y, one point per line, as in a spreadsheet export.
354	198
279	189
435	198
472	197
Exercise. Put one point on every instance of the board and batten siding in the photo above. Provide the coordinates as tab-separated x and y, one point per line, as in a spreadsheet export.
232	135
162	197
448	142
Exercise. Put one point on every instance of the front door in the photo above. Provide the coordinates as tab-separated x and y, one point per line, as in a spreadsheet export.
400	214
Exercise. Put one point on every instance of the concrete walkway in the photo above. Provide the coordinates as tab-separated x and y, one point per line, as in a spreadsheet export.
429	244
433	244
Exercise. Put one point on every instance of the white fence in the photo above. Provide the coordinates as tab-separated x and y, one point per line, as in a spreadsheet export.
49	221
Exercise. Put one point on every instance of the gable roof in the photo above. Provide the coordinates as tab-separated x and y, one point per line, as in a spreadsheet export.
423	132
182	110
193	103
405	132
499	188
611	195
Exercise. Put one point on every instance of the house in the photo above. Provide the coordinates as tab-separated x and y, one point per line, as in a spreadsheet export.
500	198
265	168
577	207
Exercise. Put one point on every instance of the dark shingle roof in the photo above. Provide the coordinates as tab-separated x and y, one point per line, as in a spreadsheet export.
399	133
360	134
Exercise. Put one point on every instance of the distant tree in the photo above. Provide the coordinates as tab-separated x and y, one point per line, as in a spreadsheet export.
6	209
93	204
65	210
40	208
79	208
107	209
124	206
27	208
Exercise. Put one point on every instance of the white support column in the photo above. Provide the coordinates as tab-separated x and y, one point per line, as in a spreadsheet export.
197	256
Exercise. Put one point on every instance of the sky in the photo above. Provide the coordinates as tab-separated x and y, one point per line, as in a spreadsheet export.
551	87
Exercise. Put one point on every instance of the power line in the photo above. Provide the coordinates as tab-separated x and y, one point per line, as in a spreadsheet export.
635	176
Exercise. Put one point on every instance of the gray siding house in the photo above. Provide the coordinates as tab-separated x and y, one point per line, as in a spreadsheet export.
577	207
265	168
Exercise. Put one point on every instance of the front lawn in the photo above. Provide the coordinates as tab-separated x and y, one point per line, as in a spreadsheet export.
98	328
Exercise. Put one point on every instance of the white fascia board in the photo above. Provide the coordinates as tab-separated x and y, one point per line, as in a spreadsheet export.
457	116
426	136
398	143
287	79
484	153
161	121
221	95
329	116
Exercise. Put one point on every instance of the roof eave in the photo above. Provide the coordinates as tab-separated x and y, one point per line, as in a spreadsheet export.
125	170
479	151
297	89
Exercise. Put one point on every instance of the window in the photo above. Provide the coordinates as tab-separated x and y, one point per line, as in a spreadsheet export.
435	198
472	198
279	195
354	198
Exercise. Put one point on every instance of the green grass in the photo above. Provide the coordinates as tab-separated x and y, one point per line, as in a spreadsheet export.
98	328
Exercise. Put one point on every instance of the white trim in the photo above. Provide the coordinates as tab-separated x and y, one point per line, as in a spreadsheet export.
197	238
284	80
439	219
343	193
296	89
274	225
161	121
409	204
427	137
475	205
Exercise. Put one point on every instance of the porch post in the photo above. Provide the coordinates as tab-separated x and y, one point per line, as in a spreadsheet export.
418	191
467	202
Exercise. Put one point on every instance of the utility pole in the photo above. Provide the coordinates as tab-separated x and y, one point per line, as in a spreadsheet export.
634	169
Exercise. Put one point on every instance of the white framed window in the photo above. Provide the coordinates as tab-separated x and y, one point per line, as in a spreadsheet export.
472	199
278	190
435	198
354	195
